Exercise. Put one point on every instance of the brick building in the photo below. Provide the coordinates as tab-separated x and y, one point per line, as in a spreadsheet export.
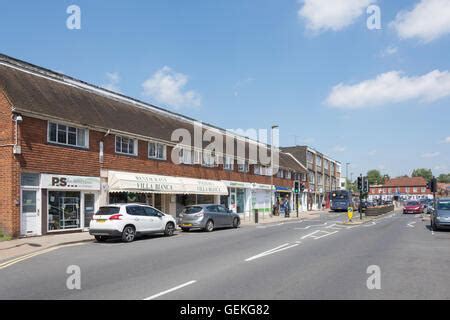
404	188
323	173
68	147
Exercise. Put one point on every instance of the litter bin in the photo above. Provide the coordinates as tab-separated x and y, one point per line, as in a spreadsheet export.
256	216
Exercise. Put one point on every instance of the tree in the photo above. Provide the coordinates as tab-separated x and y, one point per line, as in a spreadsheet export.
422	172
444	178
374	177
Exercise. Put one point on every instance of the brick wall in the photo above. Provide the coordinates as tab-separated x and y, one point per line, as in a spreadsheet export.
40	156
9	173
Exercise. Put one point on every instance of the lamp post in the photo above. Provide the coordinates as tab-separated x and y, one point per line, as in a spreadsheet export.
346	175
272	193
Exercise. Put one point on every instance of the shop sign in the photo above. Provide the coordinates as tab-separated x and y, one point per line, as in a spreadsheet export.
66	182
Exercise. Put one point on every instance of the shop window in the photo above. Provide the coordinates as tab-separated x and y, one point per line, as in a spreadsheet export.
156	151
126	145
63	210
67	135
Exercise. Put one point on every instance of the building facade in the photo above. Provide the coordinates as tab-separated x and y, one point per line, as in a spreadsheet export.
323	173
400	189
68	147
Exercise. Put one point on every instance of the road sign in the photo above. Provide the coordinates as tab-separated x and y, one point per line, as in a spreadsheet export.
350	213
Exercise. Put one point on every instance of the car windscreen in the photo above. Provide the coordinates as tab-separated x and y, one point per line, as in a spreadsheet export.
107	211
412	203
339	195
192	210
443	205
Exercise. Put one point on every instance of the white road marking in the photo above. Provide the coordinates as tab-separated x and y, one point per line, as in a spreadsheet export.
272	251
170	290
411	224
313	234
312	226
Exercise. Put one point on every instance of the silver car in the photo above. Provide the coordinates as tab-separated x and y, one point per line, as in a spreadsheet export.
440	216
207	217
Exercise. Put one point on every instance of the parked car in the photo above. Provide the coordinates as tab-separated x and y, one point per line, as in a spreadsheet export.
207	217
129	220
413	207
440	216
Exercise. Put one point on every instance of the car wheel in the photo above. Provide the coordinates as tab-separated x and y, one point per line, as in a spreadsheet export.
170	229
185	229
209	226
101	238
128	234
236	222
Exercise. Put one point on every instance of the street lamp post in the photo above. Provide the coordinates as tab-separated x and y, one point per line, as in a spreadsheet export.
272	193
346	175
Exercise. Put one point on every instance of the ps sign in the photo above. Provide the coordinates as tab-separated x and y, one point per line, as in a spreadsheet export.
65	182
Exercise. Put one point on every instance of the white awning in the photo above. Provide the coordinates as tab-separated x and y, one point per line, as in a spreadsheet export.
150	183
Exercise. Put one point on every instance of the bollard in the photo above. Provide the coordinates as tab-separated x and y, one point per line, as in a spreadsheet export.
256	216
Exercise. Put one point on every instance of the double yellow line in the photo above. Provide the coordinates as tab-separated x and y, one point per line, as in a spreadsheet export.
31	255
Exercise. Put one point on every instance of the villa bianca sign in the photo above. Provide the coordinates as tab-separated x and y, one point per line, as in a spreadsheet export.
147	183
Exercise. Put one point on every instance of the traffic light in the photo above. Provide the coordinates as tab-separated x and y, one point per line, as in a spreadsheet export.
433	185
360	183
366	185
296	186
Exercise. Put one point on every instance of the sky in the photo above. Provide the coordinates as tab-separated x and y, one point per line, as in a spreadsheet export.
377	98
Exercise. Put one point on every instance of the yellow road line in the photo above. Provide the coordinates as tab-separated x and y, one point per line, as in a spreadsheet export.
31	255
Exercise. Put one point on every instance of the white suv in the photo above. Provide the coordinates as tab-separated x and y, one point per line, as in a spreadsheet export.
129	220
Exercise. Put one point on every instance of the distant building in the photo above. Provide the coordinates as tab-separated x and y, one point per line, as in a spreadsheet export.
323	173
403	188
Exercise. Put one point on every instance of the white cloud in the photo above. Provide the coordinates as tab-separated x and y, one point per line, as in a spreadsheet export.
447	140
339	148
389	51
323	15
167	87
113	82
431	155
391	87
429	20
372	152
441	167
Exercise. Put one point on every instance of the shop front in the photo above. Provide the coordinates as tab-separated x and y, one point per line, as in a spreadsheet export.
67	202
238	198
166	193
261	199
283	199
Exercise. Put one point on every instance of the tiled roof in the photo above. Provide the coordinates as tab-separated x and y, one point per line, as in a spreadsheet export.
406	182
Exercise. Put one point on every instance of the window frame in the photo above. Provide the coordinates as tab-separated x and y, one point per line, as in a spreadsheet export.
135	146
164	156
228	163
67	144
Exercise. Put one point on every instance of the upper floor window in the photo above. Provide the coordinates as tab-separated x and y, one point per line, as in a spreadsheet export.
243	167
68	135
209	159
288	174
424	189
257	169
126	145
228	163
310	157
156	151
280	174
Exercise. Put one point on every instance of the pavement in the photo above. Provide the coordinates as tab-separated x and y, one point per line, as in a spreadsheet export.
24	246
317	258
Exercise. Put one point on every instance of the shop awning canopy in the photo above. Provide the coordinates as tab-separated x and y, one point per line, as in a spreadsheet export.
149	183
